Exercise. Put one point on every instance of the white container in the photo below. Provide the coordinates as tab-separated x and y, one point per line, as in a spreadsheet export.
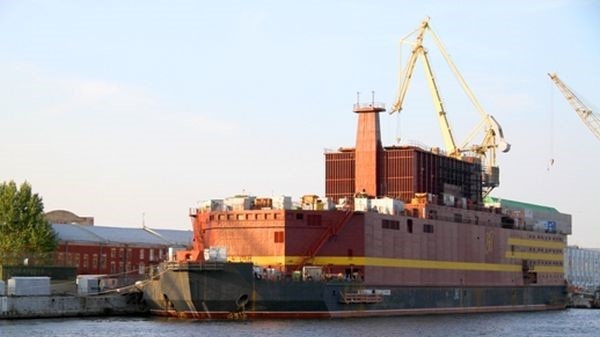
88	285
239	203
29	286
388	206
362	204
221	254
214	205
282	202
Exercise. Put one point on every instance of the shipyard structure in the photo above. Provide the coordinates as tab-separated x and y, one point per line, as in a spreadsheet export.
400	230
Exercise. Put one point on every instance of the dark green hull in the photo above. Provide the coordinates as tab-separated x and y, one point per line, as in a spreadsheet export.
231	291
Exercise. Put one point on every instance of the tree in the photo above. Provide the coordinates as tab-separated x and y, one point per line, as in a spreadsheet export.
24	231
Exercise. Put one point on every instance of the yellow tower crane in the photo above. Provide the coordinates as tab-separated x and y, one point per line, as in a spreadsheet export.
493	138
591	120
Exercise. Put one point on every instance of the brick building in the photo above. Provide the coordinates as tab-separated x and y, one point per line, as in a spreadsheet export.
115	250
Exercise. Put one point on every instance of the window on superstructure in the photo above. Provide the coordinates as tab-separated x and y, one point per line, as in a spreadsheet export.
427	228
390	224
409	225
278	237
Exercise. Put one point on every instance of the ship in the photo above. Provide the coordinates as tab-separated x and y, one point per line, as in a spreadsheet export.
401	230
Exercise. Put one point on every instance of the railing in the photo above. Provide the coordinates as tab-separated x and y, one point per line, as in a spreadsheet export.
375	105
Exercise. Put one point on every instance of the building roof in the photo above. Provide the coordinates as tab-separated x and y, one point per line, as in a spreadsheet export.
122	235
512	204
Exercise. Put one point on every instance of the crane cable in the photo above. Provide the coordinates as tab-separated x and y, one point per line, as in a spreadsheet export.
551	161
398	135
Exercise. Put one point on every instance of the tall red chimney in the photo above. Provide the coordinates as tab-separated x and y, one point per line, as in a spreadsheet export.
369	151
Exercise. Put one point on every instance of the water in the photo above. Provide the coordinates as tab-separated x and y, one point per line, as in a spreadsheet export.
574	322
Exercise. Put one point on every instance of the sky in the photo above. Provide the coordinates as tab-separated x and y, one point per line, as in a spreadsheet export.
134	111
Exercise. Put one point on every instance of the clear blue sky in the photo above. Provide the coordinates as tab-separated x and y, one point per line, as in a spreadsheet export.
112	109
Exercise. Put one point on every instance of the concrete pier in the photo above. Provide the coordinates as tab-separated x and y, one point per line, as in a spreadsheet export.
13	307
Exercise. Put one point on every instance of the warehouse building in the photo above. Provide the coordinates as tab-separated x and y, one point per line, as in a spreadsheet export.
103	250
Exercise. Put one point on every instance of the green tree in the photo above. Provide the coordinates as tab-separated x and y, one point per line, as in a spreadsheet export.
24	232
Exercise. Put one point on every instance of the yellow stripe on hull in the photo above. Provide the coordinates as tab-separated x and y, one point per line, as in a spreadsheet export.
534	256
535	243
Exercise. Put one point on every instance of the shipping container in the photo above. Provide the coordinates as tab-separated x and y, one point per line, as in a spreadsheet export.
29	286
88	284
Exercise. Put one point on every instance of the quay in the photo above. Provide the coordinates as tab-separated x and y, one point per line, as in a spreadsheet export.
15	307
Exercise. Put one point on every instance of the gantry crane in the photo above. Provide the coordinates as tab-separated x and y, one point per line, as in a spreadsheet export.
591	120
493	138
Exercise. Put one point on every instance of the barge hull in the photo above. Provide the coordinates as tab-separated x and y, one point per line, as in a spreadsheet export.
233	292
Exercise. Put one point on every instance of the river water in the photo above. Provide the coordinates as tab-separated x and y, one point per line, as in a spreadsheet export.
573	322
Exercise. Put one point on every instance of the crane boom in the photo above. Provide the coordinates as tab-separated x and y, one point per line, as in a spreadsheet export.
420	51
493	138
591	120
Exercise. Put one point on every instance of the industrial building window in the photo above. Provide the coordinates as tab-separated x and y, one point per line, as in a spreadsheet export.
278	237
141	253
113	253
85	261
95	261
427	228
390	224
102	261
409	225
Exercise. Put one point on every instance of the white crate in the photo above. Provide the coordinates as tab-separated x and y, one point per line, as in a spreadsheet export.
29	286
